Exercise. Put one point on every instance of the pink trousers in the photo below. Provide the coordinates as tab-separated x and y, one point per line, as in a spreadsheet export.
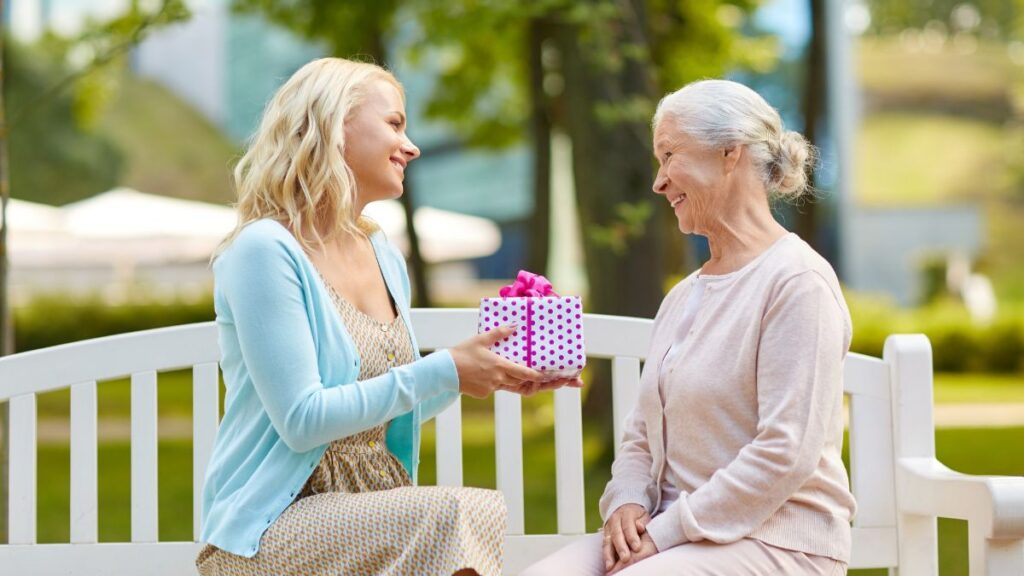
746	557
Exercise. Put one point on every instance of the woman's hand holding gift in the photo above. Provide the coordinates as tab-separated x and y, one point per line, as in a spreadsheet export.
481	371
531	388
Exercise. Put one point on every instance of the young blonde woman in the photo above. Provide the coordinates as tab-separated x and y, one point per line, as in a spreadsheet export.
314	467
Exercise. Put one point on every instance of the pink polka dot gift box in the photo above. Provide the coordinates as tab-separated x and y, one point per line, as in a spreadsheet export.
550	334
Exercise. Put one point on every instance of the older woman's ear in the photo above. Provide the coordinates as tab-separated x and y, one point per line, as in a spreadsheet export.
732	156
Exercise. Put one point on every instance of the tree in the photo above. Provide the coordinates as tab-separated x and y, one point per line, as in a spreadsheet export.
59	158
107	42
351	29
813	99
607	63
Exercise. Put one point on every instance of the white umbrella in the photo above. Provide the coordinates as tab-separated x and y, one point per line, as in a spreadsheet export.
127	213
444	235
32	217
127	227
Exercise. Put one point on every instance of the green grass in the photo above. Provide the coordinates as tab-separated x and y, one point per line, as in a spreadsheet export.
887	70
979	388
169	147
113	397
906	159
979	451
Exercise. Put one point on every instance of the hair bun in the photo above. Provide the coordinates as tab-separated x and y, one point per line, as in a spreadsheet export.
794	157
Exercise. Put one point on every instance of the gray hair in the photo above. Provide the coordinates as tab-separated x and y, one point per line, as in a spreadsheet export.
723	114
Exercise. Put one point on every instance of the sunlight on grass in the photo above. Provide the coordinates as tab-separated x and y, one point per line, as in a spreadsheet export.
914	159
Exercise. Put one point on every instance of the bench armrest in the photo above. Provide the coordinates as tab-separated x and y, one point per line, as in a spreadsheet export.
927	487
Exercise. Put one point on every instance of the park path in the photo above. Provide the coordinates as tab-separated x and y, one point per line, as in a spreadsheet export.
974	415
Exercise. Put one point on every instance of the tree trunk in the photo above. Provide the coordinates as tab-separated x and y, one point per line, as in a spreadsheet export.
417	265
539	241
6	325
612	164
808	224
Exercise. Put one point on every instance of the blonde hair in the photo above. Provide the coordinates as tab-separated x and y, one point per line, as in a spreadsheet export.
294	168
722	114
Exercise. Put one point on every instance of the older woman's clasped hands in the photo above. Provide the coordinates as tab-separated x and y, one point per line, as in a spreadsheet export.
625	539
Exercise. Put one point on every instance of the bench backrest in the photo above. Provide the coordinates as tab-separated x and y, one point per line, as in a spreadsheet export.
141	355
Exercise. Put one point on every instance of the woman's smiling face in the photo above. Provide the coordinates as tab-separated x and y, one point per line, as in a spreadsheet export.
691	177
377	148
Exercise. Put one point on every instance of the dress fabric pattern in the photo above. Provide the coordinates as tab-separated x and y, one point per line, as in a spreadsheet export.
359	513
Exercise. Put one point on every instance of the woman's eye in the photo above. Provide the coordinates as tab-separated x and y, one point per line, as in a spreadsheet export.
667	156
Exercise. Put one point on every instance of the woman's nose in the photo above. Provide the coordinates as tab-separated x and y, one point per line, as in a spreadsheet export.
660	183
410	150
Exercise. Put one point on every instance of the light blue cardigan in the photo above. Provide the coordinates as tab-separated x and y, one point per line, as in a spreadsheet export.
290	369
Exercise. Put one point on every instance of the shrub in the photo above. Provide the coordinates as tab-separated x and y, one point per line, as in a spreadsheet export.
54	319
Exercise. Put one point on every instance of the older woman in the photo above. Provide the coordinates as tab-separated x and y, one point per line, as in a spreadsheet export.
731	463
314	468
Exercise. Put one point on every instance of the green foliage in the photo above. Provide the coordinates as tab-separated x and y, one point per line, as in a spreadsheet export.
630	222
997	17
56	92
55	319
169	148
482	48
958	343
349	29
54	158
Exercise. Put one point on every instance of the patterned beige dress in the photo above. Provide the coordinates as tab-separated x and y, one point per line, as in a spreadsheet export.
360	514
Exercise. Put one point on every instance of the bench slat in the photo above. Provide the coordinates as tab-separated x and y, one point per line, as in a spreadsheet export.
108	559
144	461
569	462
84	468
874	548
107	358
449	445
625	393
872	478
21	525
508	444
205	418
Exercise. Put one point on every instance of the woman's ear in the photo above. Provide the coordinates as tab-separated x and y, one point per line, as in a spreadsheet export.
732	156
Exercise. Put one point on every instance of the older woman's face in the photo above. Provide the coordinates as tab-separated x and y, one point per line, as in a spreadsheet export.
690	177
377	148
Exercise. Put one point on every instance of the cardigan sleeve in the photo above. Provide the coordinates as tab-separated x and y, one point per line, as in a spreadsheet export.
631	470
804	336
259	281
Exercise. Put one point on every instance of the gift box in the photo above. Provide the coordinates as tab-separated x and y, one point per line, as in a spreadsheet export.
550	334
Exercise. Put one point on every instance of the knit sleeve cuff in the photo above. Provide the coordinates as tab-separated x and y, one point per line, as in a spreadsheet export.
666	529
616	496
439	372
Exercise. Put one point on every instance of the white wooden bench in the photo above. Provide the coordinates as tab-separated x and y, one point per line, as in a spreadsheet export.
900	487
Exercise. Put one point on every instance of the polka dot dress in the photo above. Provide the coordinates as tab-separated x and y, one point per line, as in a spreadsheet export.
359	514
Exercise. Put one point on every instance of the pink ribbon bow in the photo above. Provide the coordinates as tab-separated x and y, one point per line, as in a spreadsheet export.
528	284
